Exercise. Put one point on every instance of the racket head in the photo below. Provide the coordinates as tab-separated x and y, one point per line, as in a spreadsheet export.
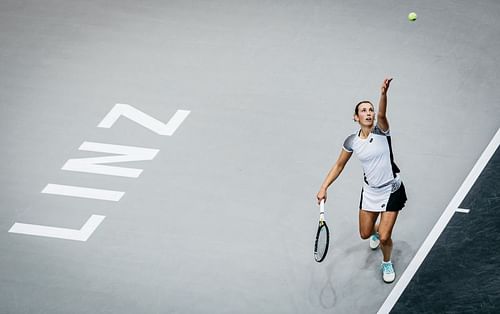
322	242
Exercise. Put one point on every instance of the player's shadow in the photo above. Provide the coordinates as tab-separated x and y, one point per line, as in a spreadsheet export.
361	250
400	252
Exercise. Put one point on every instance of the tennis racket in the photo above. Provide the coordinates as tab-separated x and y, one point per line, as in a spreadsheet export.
322	236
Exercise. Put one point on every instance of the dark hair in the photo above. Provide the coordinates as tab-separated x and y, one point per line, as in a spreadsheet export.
362	102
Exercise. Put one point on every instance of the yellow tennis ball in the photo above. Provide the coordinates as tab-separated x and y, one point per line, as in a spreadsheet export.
412	16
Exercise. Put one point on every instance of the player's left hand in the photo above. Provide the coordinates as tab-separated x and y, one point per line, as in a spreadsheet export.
385	86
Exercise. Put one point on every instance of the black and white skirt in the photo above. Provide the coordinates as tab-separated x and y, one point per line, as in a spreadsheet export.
390	197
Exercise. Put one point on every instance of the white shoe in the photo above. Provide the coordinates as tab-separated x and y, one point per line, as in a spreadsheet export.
374	241
388	273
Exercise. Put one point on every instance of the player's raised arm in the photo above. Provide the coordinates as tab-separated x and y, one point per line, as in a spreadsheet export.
382	105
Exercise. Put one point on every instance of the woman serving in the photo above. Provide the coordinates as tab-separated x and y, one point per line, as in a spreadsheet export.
383	193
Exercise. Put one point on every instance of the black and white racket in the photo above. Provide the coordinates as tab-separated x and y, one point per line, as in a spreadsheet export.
322	236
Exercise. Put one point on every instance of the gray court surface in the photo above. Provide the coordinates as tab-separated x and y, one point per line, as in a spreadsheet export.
222	219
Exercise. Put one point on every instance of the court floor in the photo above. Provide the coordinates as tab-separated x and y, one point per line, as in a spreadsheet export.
461	274
212	125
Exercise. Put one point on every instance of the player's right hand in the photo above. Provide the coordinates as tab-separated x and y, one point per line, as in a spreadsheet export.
321	195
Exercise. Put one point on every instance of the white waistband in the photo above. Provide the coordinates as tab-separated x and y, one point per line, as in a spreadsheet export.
396	183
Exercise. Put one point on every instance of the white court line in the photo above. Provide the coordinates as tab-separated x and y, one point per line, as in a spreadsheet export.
462	210
81	234
439	226
78	191
143	119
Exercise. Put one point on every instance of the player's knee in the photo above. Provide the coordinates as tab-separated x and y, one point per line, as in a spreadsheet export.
385	239
364	234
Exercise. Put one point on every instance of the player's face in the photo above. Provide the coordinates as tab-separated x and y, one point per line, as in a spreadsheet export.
366	115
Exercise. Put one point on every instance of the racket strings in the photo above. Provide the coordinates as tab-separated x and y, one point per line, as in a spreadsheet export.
322	243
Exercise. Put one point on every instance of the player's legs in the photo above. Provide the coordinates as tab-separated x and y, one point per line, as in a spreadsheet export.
387	221
367	221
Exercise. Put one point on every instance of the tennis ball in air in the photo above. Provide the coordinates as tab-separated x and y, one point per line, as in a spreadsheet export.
412	16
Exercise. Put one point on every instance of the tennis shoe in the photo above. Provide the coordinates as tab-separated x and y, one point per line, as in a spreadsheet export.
388	274
374	241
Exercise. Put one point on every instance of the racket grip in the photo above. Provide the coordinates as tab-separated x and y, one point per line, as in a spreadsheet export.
322	206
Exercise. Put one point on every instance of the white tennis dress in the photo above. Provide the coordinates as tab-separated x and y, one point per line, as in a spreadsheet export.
381	178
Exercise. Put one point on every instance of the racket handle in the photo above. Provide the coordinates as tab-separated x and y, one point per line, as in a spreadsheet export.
322	207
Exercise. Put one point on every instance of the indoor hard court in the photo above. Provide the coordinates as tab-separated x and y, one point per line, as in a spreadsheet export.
165	156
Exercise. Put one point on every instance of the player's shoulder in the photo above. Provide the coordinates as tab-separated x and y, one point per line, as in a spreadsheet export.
377	130
349	142
351	136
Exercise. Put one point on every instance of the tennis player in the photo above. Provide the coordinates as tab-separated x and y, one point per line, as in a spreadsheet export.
383	194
